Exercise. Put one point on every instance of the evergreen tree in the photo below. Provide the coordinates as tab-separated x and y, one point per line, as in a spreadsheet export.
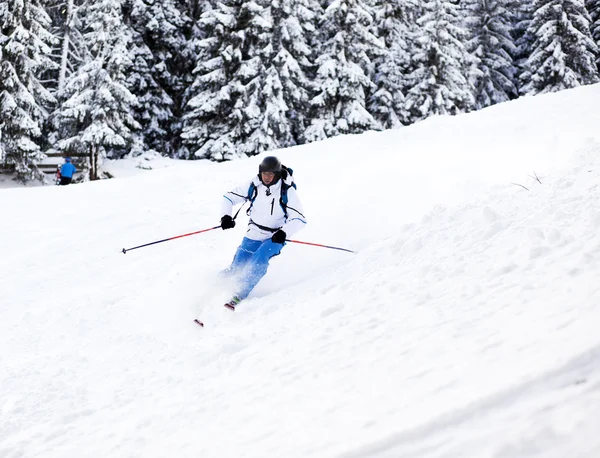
211	96
345	66
294	23
186	60
564	52
24	54
236	107
95	116
490	23
396	21
70	49
153	110
267	108
155	76
440	82
259	121
522	38
195	31
593	7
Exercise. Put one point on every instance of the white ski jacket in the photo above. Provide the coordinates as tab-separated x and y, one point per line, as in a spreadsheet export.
266	212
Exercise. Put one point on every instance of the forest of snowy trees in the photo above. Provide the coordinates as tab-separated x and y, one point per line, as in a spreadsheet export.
221	79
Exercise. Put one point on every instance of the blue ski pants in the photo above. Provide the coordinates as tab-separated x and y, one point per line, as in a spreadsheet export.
252	261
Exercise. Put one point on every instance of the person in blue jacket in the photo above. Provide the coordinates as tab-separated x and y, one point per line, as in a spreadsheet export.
67	171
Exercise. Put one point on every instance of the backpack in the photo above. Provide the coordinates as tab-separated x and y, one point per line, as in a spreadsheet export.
283	199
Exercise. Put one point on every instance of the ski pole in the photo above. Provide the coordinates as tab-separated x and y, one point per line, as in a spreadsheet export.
125	250
319	245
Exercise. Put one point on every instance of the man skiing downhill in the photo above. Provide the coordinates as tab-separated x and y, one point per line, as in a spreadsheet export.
275	213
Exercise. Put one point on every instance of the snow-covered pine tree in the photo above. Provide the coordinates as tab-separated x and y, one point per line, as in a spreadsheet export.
593	7
294	25
258	122
395	24
265	123
345	66
186	60
522	38
278	104
153	111
70	49
489	24
564	53
155	76
440	83
215	92
234	111
95	116
25	47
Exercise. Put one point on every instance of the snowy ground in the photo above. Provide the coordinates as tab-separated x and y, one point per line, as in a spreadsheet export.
465	326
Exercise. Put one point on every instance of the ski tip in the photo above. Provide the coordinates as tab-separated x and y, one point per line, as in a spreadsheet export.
200	323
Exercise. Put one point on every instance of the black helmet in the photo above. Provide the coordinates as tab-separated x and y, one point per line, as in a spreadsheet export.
270	164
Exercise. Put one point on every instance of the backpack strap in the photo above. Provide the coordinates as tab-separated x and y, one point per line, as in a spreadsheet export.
286	183
252	193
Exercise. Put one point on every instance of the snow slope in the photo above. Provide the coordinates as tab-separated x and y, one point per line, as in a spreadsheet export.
465	326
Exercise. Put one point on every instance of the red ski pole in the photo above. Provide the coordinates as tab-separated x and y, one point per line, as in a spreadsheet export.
125	250
319	245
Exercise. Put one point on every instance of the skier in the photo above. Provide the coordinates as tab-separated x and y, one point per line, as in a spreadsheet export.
275	214
66	172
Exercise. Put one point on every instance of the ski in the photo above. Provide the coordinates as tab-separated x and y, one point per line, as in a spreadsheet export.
235	300
230	305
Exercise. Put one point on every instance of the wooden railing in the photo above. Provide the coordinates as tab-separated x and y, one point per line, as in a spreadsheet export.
6	168
49	168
